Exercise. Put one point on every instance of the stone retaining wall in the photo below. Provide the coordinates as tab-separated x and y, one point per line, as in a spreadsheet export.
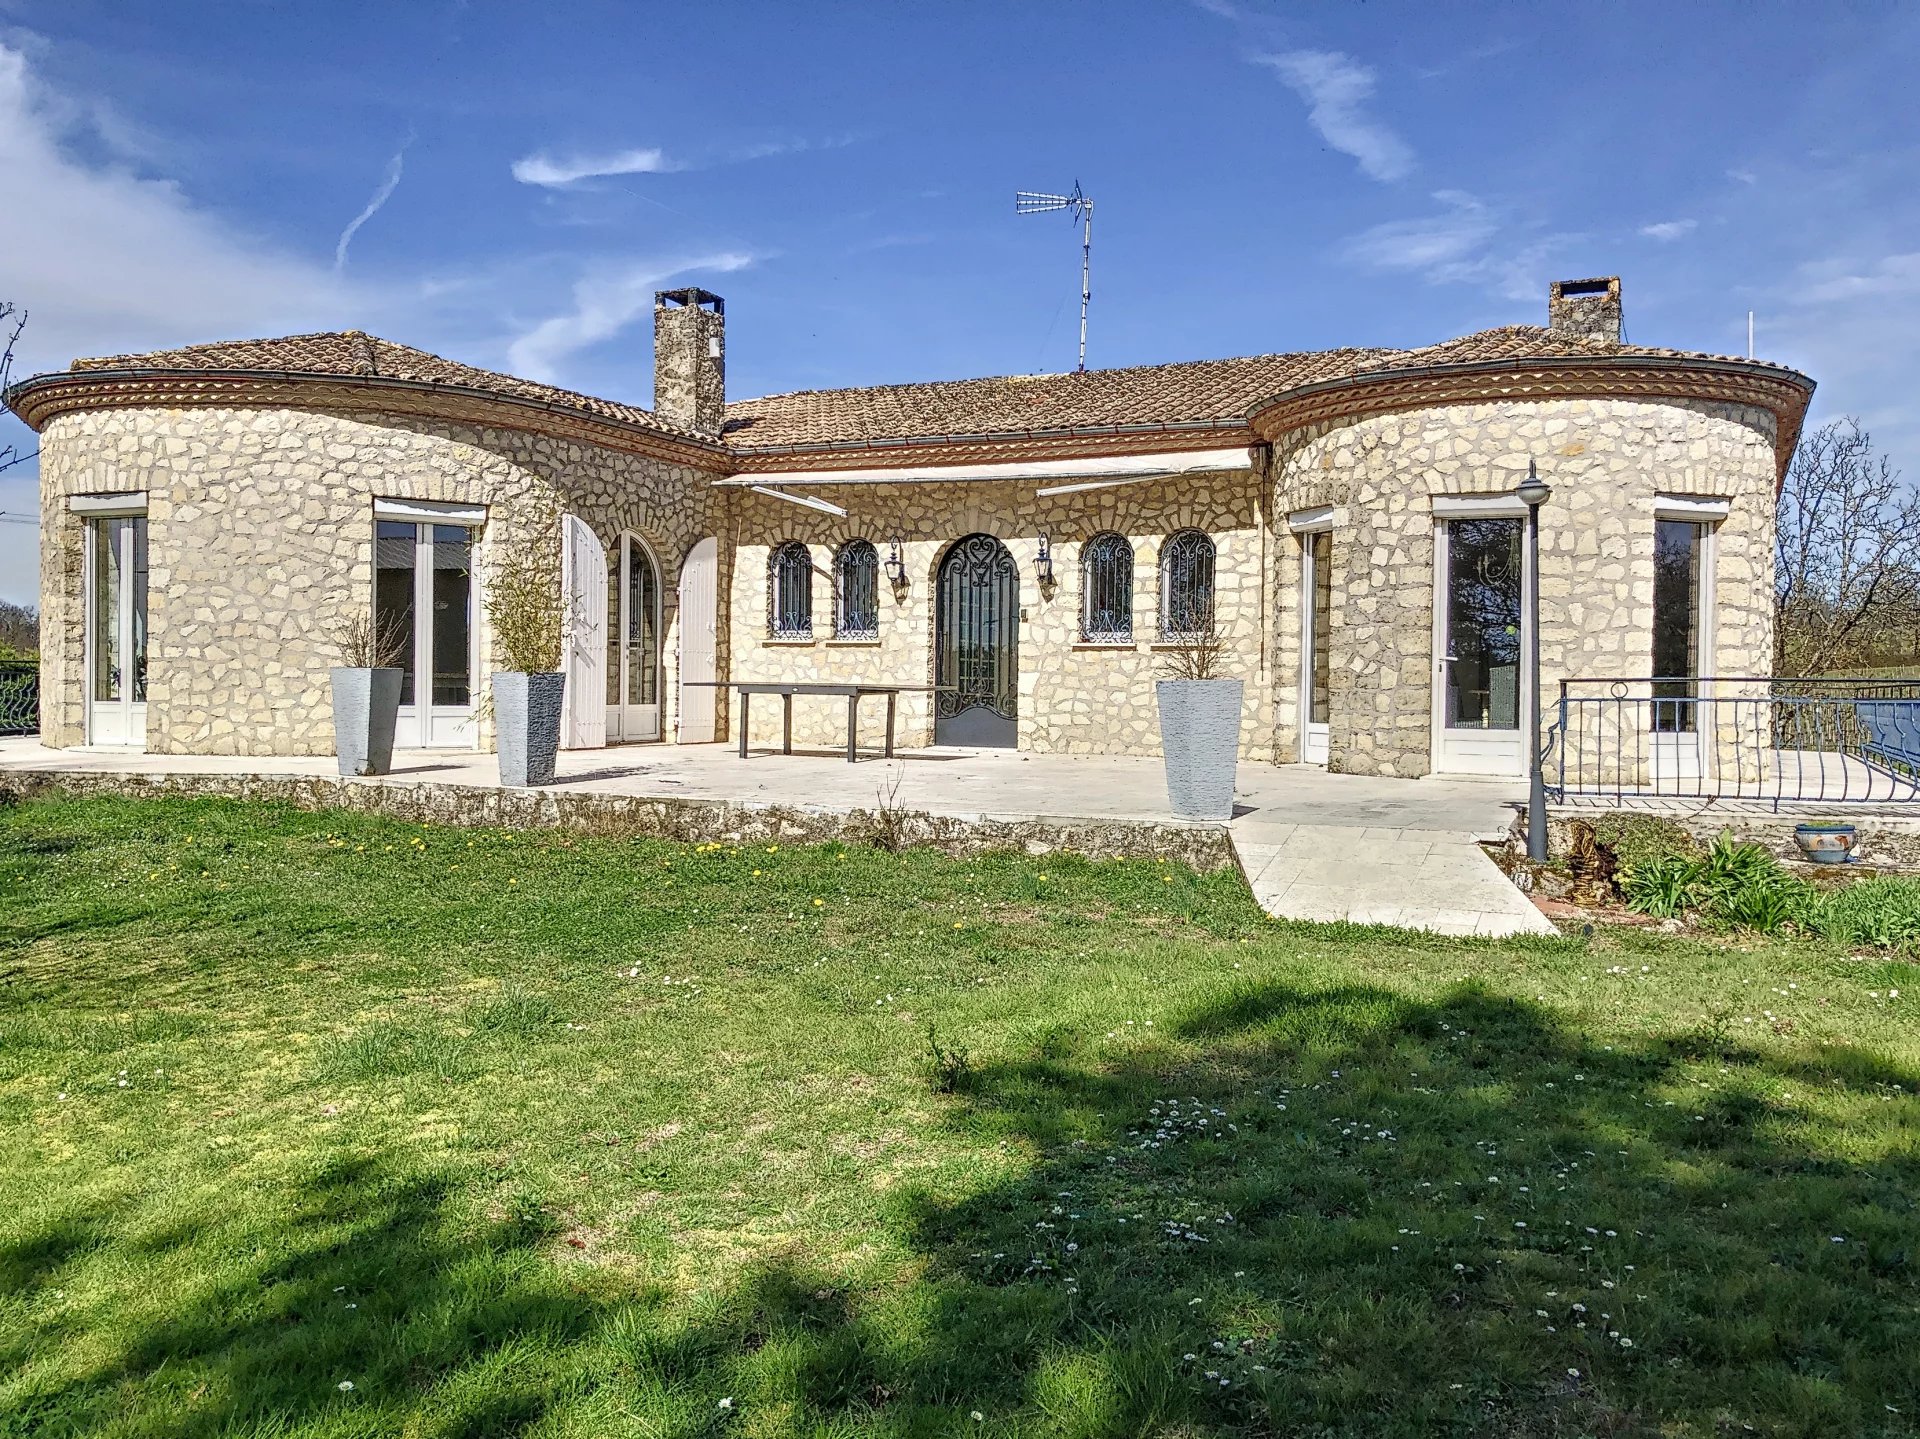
691	821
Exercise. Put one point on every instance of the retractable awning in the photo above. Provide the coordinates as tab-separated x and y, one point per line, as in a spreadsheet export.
1062	476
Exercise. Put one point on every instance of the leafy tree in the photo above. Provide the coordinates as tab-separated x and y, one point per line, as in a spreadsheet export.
1847	561
19	631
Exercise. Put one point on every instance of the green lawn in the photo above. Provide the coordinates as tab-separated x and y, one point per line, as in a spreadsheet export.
316	1124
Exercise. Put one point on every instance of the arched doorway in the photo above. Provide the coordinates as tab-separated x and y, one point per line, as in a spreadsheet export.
633	642
976	646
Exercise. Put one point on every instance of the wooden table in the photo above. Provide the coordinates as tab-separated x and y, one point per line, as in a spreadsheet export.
853	694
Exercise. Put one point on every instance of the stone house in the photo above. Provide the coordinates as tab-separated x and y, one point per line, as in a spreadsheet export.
1023	550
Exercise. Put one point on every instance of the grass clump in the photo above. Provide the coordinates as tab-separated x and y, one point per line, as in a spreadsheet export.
1733	885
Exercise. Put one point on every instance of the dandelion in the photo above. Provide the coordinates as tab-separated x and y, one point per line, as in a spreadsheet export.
345	1386
978	1417
727	1403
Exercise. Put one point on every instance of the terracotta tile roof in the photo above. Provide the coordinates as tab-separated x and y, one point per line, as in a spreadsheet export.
1220	391
350	352
1196	392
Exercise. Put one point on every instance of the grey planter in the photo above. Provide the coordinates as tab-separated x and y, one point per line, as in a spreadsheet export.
526	717
1200	739
366	706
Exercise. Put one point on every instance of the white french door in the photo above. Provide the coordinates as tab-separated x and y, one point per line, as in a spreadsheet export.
423	592
116	581
1480	594
633	643
1316	643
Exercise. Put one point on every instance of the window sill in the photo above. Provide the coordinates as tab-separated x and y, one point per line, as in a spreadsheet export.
853	644
1124	646
1158	645
793	641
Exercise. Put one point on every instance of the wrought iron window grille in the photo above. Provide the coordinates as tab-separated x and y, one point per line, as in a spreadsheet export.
790	592
856	586
1186	587
1106	576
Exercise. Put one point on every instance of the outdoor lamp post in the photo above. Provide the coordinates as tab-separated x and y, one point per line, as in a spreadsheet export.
1534	492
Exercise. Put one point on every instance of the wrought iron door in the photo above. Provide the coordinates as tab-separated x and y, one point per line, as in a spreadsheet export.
976	671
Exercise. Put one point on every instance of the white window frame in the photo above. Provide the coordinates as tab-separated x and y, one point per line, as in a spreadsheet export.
423	724
133	721
1314	738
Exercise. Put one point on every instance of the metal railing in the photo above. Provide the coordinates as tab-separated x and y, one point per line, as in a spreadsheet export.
1828	740
19	697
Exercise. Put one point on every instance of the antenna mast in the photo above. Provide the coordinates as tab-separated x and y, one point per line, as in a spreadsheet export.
1078	207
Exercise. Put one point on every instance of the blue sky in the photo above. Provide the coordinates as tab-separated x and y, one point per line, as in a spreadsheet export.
508	184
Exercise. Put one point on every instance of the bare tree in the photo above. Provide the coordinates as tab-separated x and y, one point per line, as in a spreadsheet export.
1847	563
13	322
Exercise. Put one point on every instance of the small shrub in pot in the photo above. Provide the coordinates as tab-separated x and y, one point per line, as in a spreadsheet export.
366	693
528	616
1199	726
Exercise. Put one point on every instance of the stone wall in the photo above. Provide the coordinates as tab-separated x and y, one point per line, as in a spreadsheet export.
691	821
1074	698
1606	461
261	542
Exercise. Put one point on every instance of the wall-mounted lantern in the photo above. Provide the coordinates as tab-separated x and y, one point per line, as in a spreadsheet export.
1043	564
896	566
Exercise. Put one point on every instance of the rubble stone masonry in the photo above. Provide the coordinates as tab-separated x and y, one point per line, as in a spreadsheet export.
1607	461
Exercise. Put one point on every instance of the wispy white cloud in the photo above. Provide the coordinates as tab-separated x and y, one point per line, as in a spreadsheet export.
1670	229
109	258
1836	281
384	193
1465	242
1336	88
800	145
556	172
1458	231
606	300
1745	177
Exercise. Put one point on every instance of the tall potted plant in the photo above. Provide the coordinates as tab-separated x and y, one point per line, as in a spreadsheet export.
528	616
1199	725
366	693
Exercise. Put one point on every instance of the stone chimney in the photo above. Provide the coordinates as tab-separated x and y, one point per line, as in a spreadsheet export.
1585	309
690	359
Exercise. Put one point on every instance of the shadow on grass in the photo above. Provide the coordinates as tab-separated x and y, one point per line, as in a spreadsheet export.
1310	1212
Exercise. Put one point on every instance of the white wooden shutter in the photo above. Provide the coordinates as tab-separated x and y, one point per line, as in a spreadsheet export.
584	566
699	641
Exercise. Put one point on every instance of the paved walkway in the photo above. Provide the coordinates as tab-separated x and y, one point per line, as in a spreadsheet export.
1312	845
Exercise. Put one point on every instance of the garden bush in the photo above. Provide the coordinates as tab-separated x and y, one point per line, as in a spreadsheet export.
1740	886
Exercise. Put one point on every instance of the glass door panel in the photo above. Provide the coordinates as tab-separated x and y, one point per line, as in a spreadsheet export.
423	595
1316	644
633	643
1482	595
393	547
117	631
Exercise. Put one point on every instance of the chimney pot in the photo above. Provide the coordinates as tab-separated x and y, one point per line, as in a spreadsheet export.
1585	309
690	359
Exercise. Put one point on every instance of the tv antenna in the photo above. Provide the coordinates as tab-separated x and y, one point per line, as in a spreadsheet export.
1078	207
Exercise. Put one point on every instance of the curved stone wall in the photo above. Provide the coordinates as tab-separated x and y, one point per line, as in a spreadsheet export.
1607	460
261	542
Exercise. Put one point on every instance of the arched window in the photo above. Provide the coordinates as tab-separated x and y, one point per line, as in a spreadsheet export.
856	592
1186	586
1106	583
790	592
